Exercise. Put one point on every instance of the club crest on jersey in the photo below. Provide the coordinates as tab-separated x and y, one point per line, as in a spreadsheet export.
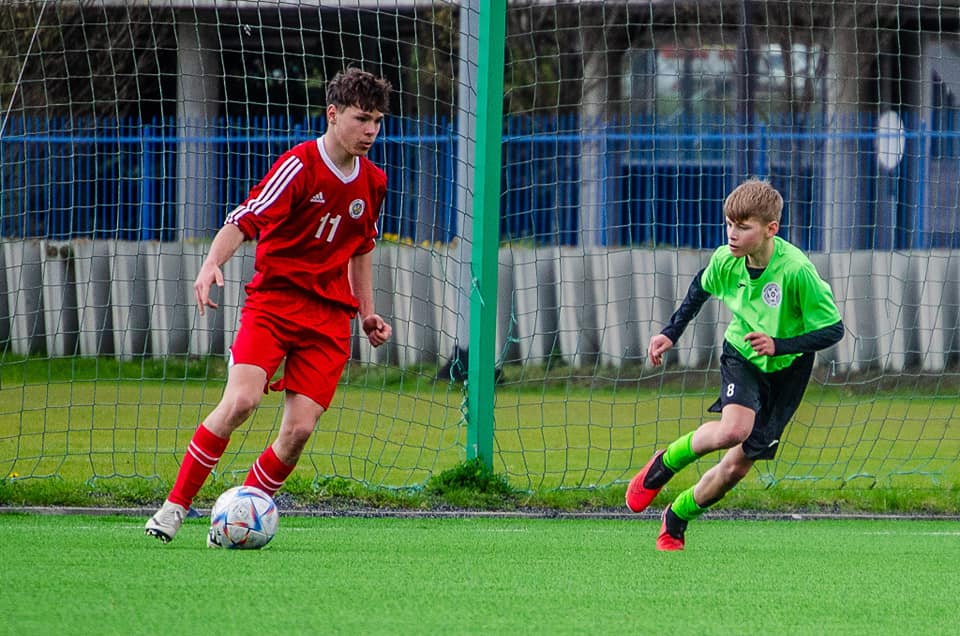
772	294
356	208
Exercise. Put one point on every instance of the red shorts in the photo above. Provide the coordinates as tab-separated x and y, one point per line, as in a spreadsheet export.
310	336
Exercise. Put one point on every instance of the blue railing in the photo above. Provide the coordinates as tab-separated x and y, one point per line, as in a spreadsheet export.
108	179
659	182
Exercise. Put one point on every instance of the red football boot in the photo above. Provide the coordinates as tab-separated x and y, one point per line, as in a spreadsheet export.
671	533
640	494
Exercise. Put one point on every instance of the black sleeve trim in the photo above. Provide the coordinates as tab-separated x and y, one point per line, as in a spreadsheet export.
688	309
810	342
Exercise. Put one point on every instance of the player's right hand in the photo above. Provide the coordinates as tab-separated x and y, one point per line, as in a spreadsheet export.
659	345
209	274
376	329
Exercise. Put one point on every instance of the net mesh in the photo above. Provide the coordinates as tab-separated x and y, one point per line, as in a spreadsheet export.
129	129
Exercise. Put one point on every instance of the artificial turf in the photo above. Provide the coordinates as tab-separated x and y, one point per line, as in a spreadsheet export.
84	574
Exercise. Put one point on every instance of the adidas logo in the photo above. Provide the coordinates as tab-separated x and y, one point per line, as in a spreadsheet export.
317	198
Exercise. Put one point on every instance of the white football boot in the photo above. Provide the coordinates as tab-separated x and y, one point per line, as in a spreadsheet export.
165	523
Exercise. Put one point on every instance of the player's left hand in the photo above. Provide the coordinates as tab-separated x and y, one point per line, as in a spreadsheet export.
761	343
376	329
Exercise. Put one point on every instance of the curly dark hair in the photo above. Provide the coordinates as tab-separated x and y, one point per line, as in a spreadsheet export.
355	87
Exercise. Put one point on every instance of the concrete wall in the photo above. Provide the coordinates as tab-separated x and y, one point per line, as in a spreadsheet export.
588	306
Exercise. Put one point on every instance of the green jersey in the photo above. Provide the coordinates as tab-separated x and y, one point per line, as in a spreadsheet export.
788	299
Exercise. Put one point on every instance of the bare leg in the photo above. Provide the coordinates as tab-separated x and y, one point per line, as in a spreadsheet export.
240	399
300	415
734	426
720	479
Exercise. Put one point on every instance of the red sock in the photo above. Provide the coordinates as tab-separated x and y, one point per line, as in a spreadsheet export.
268	473
202	455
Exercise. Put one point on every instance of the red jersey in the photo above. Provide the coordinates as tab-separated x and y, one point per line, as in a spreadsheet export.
310	219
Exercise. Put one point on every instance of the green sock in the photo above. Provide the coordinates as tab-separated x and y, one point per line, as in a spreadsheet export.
685	507
679	454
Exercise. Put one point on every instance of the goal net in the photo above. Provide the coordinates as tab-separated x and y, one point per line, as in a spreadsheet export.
129	129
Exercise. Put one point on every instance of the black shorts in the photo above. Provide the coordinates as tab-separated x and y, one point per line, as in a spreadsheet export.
774	397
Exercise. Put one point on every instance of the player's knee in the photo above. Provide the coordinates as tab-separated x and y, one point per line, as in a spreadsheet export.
295	437
728	474
733	433
242	406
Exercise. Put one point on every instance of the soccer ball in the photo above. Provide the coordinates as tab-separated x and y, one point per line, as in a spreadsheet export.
243	518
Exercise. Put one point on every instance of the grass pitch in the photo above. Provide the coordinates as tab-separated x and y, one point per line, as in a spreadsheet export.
101	575
98	432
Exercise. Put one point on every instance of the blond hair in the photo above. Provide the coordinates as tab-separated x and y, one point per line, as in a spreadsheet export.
754	198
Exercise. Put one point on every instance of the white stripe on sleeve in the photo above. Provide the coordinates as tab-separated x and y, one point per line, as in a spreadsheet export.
272	190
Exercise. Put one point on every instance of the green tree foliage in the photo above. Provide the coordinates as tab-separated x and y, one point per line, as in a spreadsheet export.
430	76
84	59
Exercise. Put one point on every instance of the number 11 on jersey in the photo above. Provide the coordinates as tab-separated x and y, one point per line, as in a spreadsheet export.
334	223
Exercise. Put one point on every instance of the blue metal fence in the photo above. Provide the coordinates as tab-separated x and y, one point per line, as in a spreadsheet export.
663	182
103	179
541	180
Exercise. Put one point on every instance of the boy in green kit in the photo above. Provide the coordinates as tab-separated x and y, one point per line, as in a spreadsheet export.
783	312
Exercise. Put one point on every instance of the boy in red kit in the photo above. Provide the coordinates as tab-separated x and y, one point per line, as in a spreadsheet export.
314	216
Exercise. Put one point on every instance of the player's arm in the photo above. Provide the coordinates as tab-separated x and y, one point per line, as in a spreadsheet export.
269	201
687	311
225	243
360	272
816	340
